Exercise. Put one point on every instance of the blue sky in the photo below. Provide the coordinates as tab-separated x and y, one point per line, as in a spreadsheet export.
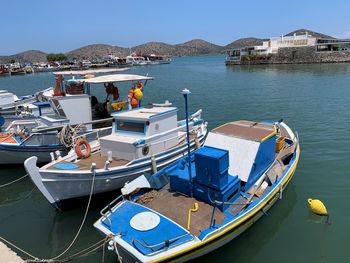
60	26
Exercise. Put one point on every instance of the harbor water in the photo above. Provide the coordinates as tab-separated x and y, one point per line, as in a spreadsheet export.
313	99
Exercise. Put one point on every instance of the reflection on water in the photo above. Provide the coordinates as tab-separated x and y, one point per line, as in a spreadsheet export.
318	69
260	233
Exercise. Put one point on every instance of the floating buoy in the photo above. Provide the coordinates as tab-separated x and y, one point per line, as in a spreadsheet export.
317	207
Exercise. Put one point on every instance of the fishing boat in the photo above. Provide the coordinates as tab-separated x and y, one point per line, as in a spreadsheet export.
32	106
205	199
72	105
142	141
4	71
135	60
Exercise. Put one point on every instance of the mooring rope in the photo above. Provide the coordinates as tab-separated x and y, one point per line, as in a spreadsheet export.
14	181
82	253
84	218
11	202
19	249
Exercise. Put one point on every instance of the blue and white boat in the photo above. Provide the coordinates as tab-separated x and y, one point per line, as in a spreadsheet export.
198	204
142	140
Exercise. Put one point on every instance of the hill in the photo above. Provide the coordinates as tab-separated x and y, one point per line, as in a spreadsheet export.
302	31
243	42
190	48
96	51
24	57
197	47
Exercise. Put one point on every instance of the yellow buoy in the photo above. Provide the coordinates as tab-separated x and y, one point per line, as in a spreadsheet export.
317	207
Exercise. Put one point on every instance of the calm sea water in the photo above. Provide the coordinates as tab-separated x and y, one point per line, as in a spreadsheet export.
313	99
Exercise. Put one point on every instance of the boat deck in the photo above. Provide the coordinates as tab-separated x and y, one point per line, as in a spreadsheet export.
175	206
85	164
99	160
247	130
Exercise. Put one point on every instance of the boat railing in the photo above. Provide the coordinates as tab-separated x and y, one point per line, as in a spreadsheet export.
108	208
97	132
166	243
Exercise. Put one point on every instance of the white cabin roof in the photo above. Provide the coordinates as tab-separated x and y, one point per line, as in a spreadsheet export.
116	78
89	71
143	114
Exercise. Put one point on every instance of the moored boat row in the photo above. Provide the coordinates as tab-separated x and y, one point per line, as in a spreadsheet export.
184	191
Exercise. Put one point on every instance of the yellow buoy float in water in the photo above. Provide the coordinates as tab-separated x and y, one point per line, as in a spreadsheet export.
317	207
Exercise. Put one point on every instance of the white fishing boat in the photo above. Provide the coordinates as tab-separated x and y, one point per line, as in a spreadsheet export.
142	141
204	200
72	104
135	60
32	106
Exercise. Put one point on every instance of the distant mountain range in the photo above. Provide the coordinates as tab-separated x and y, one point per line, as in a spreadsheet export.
190	48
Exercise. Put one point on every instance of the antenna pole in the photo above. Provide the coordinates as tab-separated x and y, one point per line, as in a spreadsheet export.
185	93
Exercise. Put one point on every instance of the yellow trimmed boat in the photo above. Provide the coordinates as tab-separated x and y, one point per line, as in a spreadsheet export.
200	203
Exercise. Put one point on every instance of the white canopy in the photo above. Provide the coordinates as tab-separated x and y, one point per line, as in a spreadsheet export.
89	71
116	78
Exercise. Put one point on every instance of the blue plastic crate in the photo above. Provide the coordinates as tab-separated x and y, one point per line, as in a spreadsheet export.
228	194
212	167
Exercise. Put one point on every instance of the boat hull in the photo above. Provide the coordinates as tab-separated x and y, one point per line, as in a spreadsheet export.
13	154
60	186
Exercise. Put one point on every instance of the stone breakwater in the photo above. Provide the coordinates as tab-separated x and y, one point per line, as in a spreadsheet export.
295	55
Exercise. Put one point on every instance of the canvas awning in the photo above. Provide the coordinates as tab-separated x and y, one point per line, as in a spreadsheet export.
89	71
116	78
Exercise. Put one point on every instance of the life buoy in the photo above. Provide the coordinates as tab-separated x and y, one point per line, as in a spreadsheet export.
82	153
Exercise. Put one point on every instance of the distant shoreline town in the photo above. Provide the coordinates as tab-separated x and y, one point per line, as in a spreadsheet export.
294	48
299	46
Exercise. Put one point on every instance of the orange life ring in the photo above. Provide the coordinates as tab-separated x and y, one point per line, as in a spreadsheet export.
82	153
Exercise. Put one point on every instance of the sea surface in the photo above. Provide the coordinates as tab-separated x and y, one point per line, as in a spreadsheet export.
312	99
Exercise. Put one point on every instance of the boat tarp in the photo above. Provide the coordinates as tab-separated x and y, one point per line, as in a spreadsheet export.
116	78
89	71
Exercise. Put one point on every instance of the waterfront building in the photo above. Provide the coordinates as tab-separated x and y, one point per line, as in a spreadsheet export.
293	49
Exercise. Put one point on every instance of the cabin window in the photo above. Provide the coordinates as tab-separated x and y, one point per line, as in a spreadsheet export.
131	126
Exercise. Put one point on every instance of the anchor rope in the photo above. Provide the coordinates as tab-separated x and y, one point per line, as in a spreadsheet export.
14	181
67	134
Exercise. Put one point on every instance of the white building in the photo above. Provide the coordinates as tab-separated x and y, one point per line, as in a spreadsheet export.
272	46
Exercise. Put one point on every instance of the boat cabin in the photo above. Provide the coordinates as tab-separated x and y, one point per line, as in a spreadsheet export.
72	99
151	130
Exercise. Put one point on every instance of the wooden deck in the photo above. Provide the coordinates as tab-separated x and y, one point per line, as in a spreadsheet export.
176	206
85	164
247	130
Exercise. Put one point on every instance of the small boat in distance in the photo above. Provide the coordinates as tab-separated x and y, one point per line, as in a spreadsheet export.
204	200
142	141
